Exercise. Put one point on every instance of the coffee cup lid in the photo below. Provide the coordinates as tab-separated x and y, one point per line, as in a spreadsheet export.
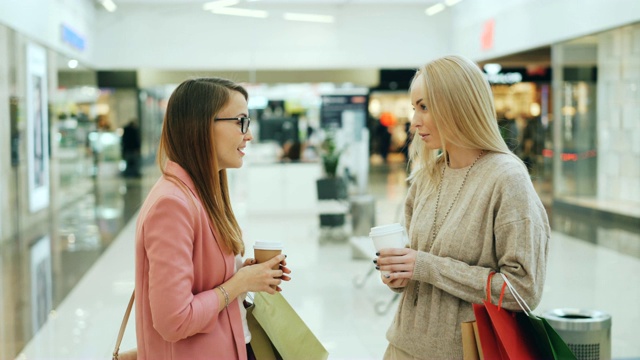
386	229
268	245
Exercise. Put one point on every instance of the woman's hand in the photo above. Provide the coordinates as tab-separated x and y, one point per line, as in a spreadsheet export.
399	262
261	277
285	270
283	267
394	283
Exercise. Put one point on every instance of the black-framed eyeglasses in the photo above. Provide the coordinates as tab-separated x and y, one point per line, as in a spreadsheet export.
244	122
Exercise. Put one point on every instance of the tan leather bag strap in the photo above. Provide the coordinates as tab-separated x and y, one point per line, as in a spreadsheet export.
123	326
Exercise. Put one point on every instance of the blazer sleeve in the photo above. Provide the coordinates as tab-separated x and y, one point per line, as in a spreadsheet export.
168	241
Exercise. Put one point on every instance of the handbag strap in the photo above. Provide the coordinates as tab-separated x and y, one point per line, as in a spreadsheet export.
123	326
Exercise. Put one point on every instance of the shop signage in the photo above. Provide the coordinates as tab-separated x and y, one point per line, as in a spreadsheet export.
488	31
495	74
504	78
334	106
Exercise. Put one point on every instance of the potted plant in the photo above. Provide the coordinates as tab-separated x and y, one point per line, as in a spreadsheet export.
330	155
331	187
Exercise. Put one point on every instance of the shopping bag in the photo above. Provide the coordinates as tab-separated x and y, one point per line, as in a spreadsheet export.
546	336
287	332
491	347
516	335
477	336
470	348
262	347
505	334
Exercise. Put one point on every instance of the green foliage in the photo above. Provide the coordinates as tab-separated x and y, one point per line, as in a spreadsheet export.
330	155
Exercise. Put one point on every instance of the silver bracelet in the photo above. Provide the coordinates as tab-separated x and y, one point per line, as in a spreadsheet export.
226	295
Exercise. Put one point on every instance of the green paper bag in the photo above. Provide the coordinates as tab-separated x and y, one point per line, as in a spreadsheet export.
285	329
262	347
550	339
545	336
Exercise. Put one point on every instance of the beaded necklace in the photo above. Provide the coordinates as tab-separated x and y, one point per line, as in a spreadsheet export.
435	229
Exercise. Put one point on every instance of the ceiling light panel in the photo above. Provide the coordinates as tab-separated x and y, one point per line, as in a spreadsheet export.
432	10
109	5
218	4
261	14
309	17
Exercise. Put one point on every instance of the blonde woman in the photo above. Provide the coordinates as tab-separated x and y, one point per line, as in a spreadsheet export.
471	209
190	277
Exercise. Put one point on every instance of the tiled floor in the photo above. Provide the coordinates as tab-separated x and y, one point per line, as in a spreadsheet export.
330	289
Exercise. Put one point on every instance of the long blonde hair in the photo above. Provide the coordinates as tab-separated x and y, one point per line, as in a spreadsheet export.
461	105
187	139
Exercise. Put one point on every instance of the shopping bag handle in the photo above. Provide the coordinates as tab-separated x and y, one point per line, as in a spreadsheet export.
504	286
523	304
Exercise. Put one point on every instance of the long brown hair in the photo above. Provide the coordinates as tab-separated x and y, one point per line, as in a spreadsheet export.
187	139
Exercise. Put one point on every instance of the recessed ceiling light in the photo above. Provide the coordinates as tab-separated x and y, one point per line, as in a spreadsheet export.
434	9
240	12
451	2
218	4
109	5
72	64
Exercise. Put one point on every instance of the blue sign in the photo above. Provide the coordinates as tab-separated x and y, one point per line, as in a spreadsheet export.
70	37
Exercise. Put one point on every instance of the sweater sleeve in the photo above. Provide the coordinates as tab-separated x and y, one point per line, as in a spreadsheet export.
176	312
519	242
408	212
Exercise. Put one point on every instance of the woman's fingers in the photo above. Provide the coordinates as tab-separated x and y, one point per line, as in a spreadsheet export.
285	269
396	256
404	275
393	252
396	267
398	283
274	261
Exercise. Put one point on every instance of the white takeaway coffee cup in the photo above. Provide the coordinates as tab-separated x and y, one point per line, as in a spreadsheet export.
391	236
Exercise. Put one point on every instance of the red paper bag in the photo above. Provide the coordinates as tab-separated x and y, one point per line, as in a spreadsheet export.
505	334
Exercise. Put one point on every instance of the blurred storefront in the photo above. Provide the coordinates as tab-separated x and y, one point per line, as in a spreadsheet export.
390	113
571	111
521	85
597	136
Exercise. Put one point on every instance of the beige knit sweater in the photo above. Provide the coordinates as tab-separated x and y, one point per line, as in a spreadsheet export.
497	223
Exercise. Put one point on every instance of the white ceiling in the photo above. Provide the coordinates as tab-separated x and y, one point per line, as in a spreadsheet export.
297	2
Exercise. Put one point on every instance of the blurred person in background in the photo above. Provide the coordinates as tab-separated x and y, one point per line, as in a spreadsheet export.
471	210
533	142
130	149
190	276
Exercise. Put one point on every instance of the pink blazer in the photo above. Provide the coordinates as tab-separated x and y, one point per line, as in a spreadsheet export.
179	261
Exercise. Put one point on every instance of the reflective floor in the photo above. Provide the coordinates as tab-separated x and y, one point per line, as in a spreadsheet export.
334	290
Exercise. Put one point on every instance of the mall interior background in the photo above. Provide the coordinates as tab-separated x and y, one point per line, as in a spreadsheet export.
565	77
